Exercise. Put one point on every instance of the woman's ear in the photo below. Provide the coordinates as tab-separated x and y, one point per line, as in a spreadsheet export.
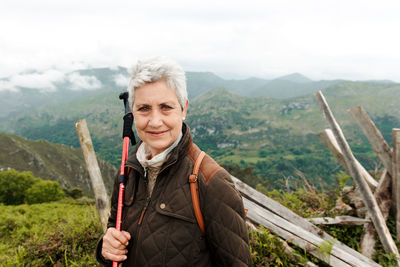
185	110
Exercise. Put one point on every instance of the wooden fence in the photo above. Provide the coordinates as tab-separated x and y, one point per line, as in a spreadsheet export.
264	211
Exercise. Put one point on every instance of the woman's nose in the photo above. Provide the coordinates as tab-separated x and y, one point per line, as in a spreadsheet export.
155	119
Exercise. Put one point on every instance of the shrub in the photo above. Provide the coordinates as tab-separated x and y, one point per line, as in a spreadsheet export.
44	191
262	153
13	186
74	192
22	187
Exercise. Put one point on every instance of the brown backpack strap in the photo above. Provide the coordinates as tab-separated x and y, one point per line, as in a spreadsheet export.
194	190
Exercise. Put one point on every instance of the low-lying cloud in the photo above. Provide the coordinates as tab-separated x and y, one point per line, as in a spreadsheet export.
49	81
79	82
121	80
44	81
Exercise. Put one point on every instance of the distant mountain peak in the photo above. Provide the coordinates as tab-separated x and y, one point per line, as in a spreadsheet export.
222	91
295	77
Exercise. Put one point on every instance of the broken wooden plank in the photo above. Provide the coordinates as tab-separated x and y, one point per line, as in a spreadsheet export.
288	249
328	139
346	220
396	178
312	243
369	199
374	136
99	190
274	207
384	200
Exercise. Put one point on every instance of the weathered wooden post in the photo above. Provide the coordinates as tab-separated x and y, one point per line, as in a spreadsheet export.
329	140
379	145
396	178
100	194
384	153
384	200
369	199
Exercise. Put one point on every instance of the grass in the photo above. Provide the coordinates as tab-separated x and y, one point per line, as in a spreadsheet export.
65	233
61	233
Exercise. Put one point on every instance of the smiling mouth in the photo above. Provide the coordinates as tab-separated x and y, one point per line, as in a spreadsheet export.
157	133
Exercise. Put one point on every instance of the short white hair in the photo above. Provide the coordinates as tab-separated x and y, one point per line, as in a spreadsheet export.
154	69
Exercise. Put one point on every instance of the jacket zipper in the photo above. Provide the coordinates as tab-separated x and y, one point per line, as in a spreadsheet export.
138	229
148	196
148	200
141	218
143	211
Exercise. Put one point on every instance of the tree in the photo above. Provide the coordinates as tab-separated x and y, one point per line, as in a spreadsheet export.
13	186
44	191
262	153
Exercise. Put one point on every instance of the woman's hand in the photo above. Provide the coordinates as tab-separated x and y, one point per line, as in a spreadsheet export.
114	244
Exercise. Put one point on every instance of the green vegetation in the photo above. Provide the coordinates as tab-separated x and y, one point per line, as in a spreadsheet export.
18	188
308	202
51	234
13	186
267	249
326	248
65	233
275	137
271	144
75	192
43	191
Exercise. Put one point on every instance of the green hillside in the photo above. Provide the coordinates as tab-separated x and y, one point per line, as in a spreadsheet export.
46	160
86	82
276	137
283	88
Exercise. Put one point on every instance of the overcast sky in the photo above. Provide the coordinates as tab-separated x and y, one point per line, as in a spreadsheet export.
357	40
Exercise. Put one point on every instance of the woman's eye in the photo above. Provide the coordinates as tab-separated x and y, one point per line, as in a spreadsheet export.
166	107
144	108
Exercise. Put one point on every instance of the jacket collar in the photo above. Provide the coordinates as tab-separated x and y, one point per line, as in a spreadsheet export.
176	154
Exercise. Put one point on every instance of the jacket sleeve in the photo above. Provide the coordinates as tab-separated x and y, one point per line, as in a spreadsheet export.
224	218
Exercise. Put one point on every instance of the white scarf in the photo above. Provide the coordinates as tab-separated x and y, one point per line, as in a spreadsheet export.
144	152
154	164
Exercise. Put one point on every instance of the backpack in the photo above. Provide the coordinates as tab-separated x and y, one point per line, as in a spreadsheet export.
194	191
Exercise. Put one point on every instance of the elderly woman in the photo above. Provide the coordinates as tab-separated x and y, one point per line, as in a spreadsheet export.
159	226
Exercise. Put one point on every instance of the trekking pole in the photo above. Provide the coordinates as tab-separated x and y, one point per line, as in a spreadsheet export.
127	135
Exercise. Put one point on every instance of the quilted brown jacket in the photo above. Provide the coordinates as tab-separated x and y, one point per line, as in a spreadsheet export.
168	233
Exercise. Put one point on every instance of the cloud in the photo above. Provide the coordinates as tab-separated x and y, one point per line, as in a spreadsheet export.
49	80
79	82
44	81
121	80
251	38
5	85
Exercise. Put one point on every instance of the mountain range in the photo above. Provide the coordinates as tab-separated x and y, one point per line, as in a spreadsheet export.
33	89
275	133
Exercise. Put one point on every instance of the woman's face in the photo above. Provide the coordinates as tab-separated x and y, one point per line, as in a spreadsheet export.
158	115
